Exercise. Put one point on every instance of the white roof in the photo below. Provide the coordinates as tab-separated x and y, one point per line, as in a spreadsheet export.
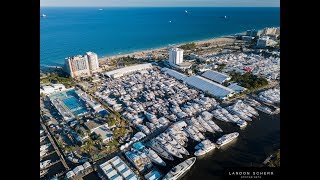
128	69
86	165
174	73
70	174
77	169
236	87
209	86
215	76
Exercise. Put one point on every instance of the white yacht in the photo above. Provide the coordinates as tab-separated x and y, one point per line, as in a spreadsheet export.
225	139
264	109
192	134
43	152
214	126
171	150
198	133
179	170
45	164
157	147
242	123
45	146
154	156
204	147
205	125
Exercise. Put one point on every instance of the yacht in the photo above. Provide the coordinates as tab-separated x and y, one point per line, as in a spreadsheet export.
169	139
42	138
214	126
264	109
205	125
45	164
171	150
179	170
192	134
242	123
204	147
154	157
44	147
138	147
225	139
43	152
43	15
139	160
43	172
157	147
198	133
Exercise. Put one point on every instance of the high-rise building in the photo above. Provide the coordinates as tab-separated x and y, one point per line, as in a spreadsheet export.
93	61
77	66
175	56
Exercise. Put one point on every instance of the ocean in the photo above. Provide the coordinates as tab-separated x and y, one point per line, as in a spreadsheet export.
70	31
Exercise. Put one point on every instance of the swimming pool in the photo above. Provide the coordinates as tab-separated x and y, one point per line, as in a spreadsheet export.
71	100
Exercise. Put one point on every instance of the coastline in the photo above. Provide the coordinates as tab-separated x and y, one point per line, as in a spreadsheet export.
219	40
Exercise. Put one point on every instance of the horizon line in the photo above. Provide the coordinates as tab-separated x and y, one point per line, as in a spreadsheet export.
166	6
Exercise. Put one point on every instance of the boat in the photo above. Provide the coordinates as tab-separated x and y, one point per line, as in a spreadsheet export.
139	160
153	144
225	139
42	138
149	152
45	146
43	172
43	152
100	9
192	134
214	126
264	109
171	150
179	170
242	123
43	15
198	133
45	164
204	147
154	157
205	125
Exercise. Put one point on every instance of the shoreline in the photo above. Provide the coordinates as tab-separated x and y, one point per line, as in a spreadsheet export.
217	40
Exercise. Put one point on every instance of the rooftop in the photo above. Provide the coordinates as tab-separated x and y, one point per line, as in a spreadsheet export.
216	76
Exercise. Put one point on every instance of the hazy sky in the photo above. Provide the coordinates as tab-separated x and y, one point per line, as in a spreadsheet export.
143	3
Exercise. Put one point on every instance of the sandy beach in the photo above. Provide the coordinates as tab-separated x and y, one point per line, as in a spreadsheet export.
219	41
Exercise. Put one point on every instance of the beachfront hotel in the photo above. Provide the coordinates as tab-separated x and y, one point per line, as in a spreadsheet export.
175	56
93	61
80	66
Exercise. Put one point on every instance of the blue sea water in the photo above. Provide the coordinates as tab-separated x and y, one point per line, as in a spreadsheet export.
71	31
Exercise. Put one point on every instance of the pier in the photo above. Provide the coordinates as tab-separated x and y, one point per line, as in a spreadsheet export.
54	145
